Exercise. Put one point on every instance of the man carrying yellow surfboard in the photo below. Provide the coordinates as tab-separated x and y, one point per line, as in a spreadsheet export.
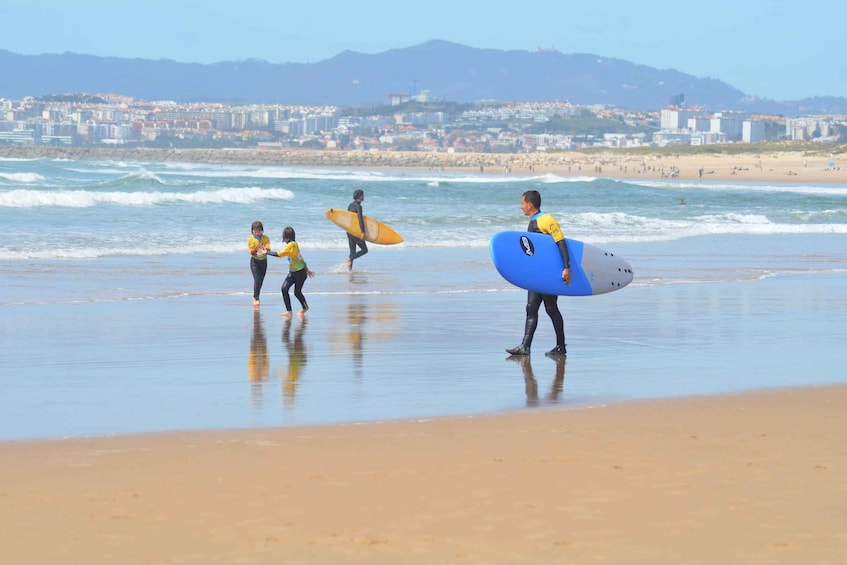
353	241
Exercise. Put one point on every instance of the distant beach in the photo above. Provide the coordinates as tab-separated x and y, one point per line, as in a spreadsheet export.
776	165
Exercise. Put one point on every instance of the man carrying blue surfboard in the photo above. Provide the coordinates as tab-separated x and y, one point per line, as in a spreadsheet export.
542	222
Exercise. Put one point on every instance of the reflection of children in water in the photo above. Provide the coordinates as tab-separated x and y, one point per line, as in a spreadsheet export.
296	360
531	383
258	361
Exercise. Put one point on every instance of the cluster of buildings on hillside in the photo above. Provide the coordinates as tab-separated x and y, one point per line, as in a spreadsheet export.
680	125
487	127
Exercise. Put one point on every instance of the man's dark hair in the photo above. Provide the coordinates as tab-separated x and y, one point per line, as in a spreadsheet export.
358	193
533	197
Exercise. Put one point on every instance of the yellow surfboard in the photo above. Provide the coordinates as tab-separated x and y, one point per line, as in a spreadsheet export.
375	231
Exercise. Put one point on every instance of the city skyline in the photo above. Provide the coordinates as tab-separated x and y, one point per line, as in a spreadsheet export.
764	48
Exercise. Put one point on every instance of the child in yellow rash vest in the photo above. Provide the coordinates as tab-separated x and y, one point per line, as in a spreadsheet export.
258	244
297	273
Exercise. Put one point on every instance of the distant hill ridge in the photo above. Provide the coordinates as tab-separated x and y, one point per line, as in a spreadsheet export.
448	70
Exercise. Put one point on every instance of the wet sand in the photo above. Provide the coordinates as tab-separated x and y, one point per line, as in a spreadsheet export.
749	478
746	478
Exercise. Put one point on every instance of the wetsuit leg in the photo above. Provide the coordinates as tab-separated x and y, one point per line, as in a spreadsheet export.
259	269
299	279
286	286
552	308
355	243
533	303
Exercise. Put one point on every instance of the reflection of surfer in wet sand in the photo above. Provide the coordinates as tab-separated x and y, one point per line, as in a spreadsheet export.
296	360
258	360
531	383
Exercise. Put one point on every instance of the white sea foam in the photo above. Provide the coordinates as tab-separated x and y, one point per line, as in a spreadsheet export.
87	198
22	177
746	187
556	179
618	227
362	176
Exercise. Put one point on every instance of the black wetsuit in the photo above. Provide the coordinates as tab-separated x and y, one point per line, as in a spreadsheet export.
353	241
259	268
295	279
534	299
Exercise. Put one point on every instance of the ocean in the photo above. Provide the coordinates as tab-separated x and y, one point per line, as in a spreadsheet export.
126	296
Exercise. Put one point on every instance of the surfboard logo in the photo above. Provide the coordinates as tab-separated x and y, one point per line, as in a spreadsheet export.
527	246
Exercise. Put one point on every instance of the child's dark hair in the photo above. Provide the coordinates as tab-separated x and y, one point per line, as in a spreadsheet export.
288	234
257	225
358	193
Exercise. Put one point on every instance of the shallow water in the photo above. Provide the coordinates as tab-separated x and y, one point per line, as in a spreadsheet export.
126	297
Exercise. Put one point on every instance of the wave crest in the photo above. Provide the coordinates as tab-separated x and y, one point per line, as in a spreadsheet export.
88	198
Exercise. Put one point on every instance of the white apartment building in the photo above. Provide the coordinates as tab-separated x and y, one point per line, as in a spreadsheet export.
753	131
699	123
807	128
731	124
674	118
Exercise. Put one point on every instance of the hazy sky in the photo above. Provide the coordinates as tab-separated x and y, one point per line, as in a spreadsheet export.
773	48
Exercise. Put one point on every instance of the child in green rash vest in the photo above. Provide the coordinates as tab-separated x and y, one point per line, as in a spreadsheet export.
258	244
297	273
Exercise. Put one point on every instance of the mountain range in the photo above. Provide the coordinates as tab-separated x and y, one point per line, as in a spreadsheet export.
449	71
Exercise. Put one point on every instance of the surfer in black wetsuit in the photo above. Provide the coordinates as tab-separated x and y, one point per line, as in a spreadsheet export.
353	241
543	223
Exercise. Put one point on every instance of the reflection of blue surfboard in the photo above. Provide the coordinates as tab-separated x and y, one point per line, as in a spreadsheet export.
532	261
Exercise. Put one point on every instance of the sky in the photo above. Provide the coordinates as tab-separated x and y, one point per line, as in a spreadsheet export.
778	49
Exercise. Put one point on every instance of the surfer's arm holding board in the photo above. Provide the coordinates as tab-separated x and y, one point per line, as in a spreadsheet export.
546	223
563	249
361	219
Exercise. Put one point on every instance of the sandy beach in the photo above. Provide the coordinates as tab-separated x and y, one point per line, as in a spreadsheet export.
759	165
150	415
749	478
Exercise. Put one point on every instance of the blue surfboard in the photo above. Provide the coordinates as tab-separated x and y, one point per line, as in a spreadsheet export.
532	261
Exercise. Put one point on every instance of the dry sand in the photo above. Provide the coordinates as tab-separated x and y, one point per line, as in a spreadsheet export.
751	478
774	165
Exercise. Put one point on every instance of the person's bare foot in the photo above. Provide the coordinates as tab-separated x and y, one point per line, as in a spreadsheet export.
255	303
349	264
302	313
286	315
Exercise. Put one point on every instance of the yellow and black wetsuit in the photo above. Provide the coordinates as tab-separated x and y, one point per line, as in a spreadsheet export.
545	223
258	262
297	274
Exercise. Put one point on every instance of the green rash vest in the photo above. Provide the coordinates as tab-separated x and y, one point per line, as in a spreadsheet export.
295	260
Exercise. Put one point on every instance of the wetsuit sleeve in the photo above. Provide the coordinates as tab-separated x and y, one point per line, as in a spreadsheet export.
361	218
563	249
548	224
290	250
